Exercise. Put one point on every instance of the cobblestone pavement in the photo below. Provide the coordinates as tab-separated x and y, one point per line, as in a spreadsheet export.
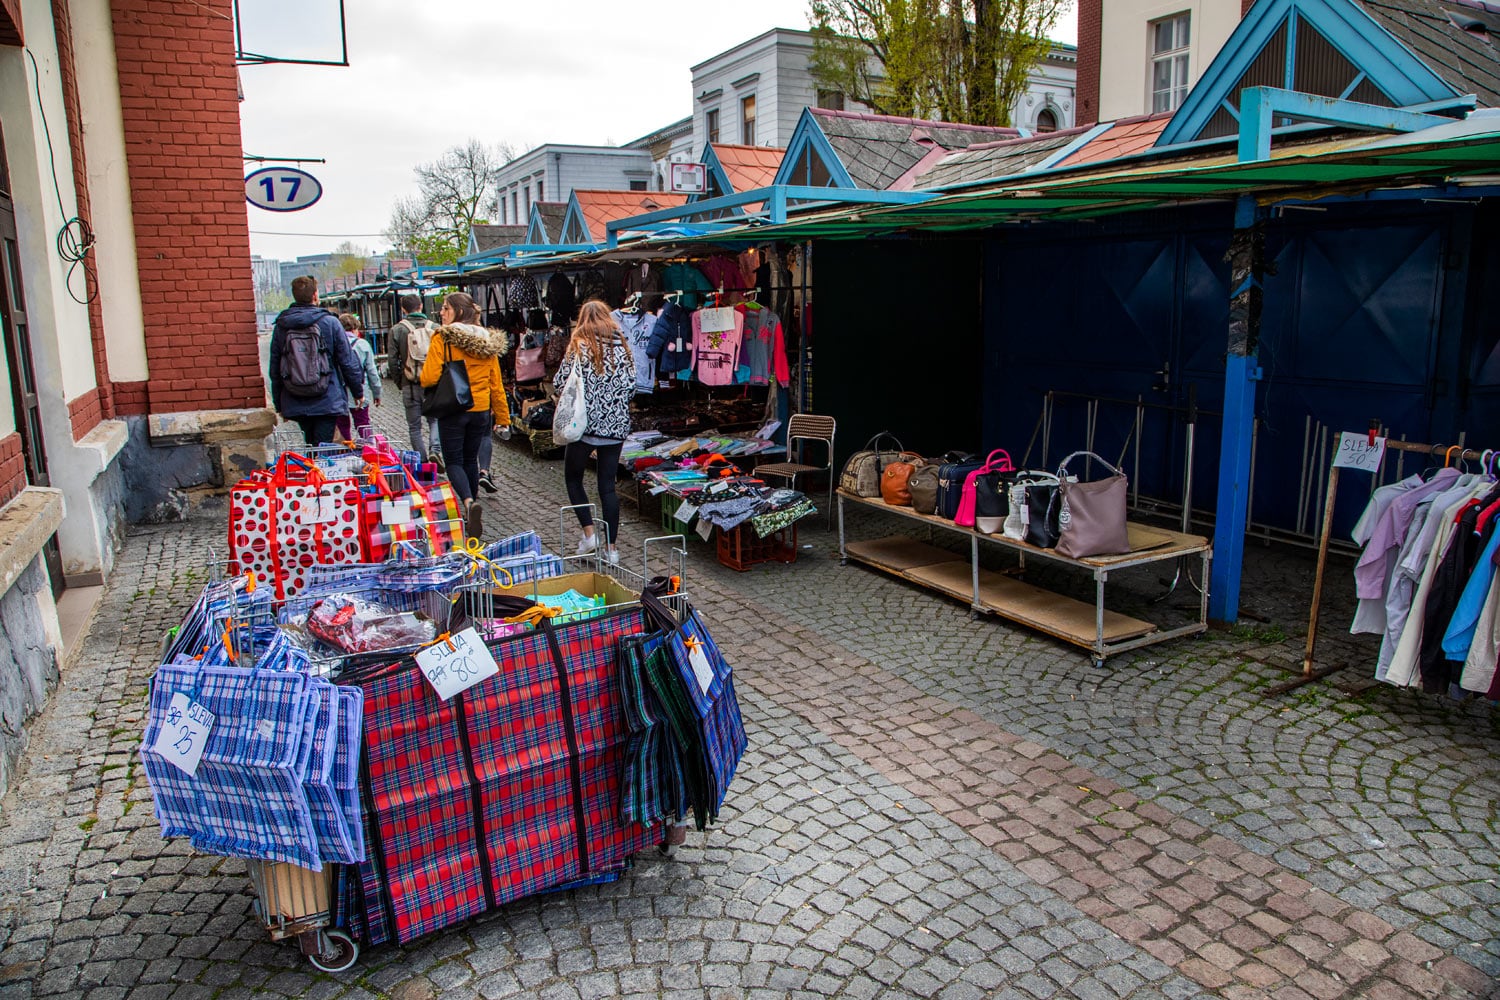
931	806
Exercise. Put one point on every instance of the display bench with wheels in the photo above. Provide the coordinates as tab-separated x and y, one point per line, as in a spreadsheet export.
1103	633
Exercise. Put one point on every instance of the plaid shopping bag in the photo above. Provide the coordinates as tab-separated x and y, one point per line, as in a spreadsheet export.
329	770
420	799
289	518
436	526
589	651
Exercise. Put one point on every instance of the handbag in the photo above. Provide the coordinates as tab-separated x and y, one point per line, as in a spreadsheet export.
923	483
1091	516
862	473
451	394
894	480
997	461
1017	513
571	418
1041	514
529	364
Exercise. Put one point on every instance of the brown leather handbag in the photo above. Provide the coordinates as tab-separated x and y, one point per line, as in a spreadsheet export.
895	479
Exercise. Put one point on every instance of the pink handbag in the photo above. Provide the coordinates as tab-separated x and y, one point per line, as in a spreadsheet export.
529	364
965	516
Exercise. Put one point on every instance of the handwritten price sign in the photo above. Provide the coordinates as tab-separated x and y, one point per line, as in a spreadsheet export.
184	734
457	664
1356	452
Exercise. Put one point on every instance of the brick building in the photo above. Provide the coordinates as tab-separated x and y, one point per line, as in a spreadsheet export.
119	118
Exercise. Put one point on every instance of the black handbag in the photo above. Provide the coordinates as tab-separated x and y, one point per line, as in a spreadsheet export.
1041	516
992	500
451	394
951	476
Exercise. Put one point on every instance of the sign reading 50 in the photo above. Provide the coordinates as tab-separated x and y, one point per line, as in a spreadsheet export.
282	189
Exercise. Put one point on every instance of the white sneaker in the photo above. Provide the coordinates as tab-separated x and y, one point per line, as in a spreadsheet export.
587	544
613	555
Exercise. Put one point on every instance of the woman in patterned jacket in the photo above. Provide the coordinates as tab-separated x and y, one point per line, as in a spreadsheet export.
602	356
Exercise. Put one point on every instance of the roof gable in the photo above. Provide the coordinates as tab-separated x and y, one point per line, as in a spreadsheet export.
590	211
1329	48
546	222
809	160
734	169
484	237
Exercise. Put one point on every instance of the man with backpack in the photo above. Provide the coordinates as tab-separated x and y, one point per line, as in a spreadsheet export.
311	363
408	350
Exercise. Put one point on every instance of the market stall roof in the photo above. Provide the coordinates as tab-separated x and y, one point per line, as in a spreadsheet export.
589	211
744	168
986	160
546	222
1460	154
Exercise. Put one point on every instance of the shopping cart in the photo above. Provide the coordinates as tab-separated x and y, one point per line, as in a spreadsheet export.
296	902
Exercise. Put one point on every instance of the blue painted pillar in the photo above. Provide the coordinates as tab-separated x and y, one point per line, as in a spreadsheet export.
1241	372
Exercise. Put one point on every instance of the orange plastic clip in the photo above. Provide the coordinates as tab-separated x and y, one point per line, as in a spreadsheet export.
249	581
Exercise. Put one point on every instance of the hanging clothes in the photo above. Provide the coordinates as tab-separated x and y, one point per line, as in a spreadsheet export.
637	327
1373	572
561	300
764	346
645	280
1460	633
520	292
717	352
687	279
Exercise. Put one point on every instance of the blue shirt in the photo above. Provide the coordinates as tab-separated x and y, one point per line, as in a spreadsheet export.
1460	633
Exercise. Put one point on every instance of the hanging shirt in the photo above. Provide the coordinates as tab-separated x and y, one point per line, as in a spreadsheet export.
715	354
764	348
1372	574
637	327
520	292
1484	652
1459	635
687	279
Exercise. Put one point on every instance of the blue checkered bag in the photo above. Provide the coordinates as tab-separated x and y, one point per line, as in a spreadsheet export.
340	837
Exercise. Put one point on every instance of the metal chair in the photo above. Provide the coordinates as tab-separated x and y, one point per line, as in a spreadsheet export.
805	427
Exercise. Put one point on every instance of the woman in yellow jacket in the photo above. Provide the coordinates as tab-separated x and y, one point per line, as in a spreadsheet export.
461	338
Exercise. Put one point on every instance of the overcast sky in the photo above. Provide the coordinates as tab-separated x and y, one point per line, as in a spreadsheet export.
426	76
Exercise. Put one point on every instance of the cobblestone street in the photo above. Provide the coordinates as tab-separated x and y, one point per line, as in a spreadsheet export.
931	806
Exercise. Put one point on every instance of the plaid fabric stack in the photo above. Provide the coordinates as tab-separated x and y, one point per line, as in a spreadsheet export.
652	785
539	748
275	781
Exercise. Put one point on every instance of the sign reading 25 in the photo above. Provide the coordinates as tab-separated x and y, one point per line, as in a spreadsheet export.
282	189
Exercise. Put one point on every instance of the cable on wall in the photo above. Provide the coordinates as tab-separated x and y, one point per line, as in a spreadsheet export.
76	237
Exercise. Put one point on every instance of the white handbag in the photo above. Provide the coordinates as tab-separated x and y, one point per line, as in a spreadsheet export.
571	418
1016	519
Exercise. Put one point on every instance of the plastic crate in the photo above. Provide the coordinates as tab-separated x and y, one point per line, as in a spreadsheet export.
740	549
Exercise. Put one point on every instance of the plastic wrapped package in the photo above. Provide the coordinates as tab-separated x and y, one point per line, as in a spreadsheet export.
356	625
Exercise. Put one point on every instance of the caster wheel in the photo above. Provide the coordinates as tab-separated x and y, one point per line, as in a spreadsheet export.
338	954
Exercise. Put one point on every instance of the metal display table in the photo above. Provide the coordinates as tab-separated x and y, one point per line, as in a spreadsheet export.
1103	633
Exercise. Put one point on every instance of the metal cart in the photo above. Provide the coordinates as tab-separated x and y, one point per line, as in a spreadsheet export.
295	902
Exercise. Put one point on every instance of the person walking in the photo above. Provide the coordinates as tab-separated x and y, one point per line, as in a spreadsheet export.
461	338
410	341
312	364
600	353
365	355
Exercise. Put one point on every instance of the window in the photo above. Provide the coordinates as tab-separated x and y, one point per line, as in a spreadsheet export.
1046	121
1169	62
539	191
638	185
747	120
526	204
711	124
514	212
831	100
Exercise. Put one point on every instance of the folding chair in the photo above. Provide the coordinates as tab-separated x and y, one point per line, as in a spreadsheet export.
805	427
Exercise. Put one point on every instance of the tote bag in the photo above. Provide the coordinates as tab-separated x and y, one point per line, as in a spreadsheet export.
1091	516
571	418
451	395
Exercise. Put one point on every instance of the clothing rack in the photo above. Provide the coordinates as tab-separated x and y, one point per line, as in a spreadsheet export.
1309	675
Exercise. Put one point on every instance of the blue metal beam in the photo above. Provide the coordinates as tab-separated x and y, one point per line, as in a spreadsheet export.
1260	106
776	198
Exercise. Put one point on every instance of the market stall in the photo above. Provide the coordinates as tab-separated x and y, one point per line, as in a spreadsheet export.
399	744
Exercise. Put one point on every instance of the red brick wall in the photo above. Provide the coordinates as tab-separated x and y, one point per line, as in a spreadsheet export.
67	69
182	139
86	411
132	399
1090	44
12	468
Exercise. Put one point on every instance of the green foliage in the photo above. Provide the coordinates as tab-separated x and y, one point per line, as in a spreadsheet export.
958	60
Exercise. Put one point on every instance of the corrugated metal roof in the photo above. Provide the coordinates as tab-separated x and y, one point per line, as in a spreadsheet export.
748	167
1466	60
602	207
995	159
879	150
1126	136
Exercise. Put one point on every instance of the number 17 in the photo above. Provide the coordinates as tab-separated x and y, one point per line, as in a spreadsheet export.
269	183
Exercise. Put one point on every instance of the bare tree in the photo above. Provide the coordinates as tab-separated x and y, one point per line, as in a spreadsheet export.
453	192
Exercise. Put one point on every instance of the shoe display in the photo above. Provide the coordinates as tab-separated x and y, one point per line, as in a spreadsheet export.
487	484
587	544
474	520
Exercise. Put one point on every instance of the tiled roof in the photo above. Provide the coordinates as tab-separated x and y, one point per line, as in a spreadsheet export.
1126	136
602	207
552	213
490	237
879	150
1465	59
749	167
983	161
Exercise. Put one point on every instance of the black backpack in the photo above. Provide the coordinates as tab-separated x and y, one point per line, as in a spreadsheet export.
305	370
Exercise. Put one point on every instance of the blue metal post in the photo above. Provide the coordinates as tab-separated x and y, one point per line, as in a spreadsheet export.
1241	372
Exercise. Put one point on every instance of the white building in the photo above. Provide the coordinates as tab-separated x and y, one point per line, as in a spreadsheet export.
1048	103
1151	52
551	172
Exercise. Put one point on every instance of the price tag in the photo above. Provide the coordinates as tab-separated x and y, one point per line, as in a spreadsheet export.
453	670
184	734
321	509
718	487
395	511
705	529
698	660
685	512
265	729
716	320
1355	452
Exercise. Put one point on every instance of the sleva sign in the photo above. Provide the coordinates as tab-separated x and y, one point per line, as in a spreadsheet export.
282	189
